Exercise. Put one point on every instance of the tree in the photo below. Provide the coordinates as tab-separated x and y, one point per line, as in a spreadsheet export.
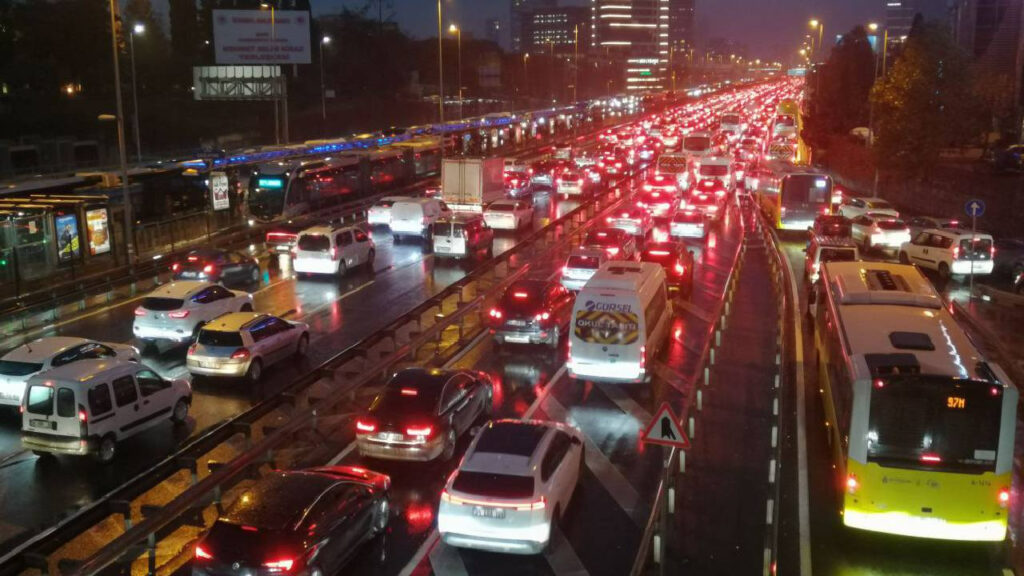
840	89
186	38
927	102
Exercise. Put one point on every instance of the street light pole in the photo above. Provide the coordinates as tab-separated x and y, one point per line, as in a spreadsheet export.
454	29
440	66
323	85
137	29
575	61
122	151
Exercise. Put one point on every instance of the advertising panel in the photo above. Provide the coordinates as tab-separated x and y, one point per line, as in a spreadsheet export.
607	326
97	228
69	245
219	186
261	36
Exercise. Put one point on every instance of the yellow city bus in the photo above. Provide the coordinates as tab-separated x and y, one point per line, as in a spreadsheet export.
791	196
921	427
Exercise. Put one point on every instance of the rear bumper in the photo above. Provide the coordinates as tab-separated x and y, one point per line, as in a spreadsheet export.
501	545
372	448
527	336
627	372
57	444
311	266
175	332
964	266
574	284
215	367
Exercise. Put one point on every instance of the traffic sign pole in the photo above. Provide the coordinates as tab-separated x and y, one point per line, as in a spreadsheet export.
974	208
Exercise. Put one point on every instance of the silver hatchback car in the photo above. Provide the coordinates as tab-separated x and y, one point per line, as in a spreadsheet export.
244	344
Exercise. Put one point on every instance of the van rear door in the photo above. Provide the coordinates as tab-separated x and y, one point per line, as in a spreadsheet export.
51	409
608	335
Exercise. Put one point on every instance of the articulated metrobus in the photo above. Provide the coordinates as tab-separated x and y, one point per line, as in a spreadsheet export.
792	196
921	426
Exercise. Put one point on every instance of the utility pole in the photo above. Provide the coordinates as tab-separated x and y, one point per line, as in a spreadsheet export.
122	151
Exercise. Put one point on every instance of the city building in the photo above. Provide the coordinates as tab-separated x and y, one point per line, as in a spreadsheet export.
990	31
899	16
492	30
519	11
555	29
680	23
637	35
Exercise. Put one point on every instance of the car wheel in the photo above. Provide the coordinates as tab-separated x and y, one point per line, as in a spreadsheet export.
555	337
107	450
904	259
302	346
314	571
342	268
255	371
449	446
944	271
255	275
396	238
180	412
489	404
382	516
247	307
370	256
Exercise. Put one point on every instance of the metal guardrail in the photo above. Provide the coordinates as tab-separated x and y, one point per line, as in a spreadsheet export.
36	552
652	542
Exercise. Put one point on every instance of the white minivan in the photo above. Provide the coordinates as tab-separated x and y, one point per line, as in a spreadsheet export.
620	319
332	250
89	406
413	217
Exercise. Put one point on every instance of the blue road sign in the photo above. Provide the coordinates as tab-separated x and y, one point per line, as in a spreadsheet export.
975	207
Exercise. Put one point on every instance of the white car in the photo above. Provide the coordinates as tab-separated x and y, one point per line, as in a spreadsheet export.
27	360
569	183
581	266
508	214
879	231
853	207
688	223
515	481
950	251
332	250
244	344
380	213
177	311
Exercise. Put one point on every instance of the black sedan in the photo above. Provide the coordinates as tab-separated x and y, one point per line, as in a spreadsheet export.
422	412
532	312
217	266
677	262
296	522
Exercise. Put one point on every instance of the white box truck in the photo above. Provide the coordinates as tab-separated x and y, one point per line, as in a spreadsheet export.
468	183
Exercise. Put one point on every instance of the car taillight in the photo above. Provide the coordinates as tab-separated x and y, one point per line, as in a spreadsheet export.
643	356
208	269
420	431
192	349
334	252
580	182
366	425
280	565
175	267
543	316
647	188
140	311
495	313
931	458
1004	497
178	314
956	252
679	268
240	354
613	251
992	252
202	554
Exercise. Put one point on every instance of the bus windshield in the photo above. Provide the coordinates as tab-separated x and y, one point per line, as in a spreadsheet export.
935	423
266	202
806	189
731	119
696	143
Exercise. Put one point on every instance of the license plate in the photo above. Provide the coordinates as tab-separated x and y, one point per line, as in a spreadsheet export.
484	512
39	423
389	436
188	274
517	322
517	339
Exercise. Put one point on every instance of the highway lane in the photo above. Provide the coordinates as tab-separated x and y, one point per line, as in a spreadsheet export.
340	313
838	551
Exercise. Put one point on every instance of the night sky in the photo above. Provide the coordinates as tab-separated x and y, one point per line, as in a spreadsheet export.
770	28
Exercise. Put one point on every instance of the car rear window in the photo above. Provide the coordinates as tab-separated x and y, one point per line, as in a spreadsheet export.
406	401
220	338
584	262
503	207
981	246
602	238
384	203
510	438
314	243
15	368
837	255
688	217
891	224
521	298
161	304
502	486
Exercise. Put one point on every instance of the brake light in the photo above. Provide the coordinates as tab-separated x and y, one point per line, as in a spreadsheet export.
495	313
679	268
334	252
178	314
992	252
175	267
956	252
409	392
208	269
543	316
538	504
140	311
282	565
365	426
647	188
193	258
192	349
82	416
658	252
202	554
240	354
852	484
613	251
421	431
520	295
933	458
643	356
1004	497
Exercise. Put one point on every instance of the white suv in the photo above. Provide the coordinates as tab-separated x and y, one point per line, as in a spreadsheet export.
177	311
853	207
332	250
950	251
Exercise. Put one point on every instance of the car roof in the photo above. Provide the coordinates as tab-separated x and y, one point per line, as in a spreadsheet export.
461	218
508	446
957	233
279	500
86	370
234	321
180	289
41	349
325	229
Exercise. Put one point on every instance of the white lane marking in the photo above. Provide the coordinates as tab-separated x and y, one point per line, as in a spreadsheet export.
341	455
562	557
625	402
771	471
544	393
446	561
803	507
422	551
620	489
770	509
775	436
315	309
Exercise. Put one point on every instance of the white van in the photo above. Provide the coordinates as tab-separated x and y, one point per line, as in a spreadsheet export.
332	249
414	217
621	318
87	407
717	167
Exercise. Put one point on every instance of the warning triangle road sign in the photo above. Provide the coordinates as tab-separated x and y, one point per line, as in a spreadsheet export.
664	429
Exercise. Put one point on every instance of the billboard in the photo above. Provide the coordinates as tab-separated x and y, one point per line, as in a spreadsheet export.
69	246
219	186
261	36
97	229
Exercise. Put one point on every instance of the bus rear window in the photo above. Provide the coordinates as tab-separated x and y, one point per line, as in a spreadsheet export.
713	170
314	243
806	189
935	423
40	400
697	143
503	486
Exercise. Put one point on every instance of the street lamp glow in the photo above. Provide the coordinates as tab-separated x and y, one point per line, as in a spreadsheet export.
453	29
325	40
139	28
873	26
814	23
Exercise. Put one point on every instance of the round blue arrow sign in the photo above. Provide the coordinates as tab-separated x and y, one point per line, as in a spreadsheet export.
975	207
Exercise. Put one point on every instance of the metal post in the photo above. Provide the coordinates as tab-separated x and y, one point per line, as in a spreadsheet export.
974	239
459	75
284	108
323	86
135	98
122	151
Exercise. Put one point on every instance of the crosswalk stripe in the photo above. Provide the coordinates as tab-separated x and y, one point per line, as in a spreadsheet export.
561	556
625	402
